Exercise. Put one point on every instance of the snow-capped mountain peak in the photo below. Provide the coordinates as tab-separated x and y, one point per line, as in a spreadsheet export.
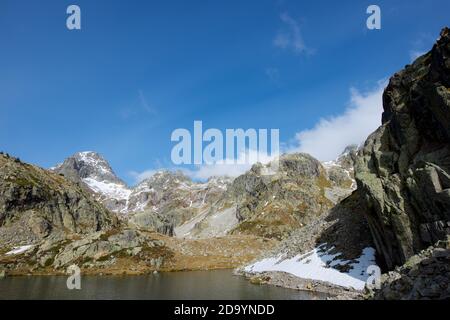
95	172
92	165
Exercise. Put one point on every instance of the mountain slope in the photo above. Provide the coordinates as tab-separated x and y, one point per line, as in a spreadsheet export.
169	193
175	199
254	203
160	202
295	195
35	203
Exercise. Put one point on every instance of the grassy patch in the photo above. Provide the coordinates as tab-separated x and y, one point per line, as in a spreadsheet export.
271	229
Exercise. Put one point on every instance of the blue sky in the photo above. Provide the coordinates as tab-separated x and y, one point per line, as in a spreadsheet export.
137	70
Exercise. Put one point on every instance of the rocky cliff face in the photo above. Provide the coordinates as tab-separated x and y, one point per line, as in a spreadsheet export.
403	172
35	203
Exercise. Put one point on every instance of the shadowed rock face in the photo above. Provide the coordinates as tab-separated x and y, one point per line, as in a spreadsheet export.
424	276
403	172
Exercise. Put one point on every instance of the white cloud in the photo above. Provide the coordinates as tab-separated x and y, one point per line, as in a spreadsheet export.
325	141
230	167
207	171
330	136
140	176
291	37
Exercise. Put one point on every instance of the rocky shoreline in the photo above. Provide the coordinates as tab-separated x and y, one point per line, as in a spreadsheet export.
286	280
133	252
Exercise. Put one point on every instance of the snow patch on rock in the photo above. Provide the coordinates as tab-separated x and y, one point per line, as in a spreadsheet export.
110	189
319	264
19	250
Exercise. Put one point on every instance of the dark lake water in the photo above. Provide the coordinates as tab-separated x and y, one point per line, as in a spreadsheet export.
197	285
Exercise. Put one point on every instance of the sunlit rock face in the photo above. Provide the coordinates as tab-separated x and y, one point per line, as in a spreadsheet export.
36	203
296	193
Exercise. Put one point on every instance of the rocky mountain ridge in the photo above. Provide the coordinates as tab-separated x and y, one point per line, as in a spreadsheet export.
95	173
171	203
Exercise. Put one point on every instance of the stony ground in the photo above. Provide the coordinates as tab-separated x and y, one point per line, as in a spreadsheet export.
424	276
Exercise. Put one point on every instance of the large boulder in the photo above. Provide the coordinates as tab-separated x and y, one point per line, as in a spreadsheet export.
152	221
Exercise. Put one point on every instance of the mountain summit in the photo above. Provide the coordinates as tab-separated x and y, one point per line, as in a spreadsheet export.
88	165
95	174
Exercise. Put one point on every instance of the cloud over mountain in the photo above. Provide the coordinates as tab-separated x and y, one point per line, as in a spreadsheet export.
330	136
